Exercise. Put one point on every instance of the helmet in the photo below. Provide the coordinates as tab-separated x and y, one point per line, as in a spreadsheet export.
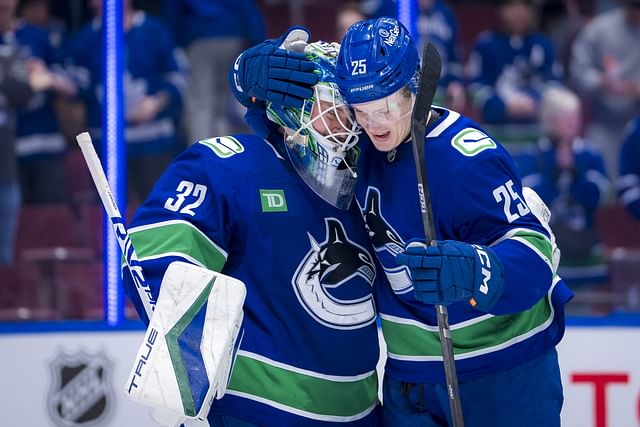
378	57
321	136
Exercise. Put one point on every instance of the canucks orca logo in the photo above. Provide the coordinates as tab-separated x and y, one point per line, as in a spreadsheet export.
381	234
334	280
386	241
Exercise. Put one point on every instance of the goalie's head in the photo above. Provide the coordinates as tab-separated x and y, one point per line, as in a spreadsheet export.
321	136
377	73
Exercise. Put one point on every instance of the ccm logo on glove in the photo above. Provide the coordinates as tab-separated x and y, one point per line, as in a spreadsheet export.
452	271
486	273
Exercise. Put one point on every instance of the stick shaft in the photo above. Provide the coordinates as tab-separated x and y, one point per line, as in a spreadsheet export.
430	74
111	207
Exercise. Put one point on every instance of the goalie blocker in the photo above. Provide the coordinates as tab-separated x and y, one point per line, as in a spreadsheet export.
187	355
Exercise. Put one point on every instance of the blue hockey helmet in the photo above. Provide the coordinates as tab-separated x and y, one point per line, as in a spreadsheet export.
321	136
378	57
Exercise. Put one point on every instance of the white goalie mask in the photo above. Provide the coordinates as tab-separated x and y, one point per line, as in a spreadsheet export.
321	136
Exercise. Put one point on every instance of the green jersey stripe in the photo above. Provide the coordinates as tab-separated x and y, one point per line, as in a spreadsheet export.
179	238
313	395
409	341
537	242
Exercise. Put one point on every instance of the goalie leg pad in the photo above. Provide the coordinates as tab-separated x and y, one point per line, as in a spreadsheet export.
187	354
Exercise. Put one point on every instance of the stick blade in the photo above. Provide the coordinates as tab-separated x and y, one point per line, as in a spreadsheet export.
428	83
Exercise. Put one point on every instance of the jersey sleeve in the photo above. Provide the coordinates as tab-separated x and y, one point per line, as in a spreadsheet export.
490	210
185	218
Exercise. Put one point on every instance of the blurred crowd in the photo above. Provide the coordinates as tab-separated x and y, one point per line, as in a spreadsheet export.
556	82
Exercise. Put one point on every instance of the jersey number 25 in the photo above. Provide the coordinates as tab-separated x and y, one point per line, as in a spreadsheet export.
505	193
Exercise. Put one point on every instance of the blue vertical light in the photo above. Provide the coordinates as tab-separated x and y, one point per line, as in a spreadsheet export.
113	152
408	15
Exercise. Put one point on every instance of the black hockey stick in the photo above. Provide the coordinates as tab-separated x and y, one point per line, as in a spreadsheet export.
429	76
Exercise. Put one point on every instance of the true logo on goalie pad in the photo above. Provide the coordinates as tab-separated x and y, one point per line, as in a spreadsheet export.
81	393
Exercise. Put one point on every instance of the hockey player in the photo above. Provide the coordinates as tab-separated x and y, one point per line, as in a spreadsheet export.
490	247
236	204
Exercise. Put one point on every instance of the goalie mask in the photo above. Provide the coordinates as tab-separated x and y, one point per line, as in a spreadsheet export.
321	137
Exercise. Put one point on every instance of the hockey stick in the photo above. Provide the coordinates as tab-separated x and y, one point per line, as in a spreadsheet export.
429	76
110	206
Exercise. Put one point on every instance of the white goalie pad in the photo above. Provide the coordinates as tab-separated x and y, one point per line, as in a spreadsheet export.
186	357
542	212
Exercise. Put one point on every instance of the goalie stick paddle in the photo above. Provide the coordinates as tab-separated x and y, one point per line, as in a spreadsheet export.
429	76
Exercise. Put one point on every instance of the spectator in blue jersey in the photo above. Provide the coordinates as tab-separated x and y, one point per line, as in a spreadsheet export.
628	184
605	69
15	91
437	25
38	14
154	80
213	33
251	207
508	70
570	178
492	248
40	146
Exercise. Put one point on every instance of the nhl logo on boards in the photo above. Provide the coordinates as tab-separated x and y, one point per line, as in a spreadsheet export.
80	392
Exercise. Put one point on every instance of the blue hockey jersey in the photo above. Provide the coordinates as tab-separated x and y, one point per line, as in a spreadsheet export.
309	352
476	197
152	64
37	129
501	65
628	183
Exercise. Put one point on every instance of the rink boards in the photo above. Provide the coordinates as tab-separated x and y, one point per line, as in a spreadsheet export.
73	374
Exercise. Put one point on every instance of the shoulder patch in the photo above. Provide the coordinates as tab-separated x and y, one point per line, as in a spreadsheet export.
472	141
223	146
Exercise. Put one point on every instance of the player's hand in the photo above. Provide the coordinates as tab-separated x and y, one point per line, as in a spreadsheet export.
452	271
147	109
275	71
521	105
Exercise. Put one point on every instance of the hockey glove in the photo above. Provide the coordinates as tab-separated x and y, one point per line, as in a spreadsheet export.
272	72
454	271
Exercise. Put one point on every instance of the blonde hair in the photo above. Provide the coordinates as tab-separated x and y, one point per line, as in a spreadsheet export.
555	101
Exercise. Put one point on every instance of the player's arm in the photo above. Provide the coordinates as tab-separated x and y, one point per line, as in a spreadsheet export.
183	219
502	259
180	235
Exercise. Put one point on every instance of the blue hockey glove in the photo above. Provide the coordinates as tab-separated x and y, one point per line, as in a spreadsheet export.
269	72
454	271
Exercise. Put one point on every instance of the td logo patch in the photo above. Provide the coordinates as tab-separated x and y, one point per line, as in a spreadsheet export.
273	201
471	141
